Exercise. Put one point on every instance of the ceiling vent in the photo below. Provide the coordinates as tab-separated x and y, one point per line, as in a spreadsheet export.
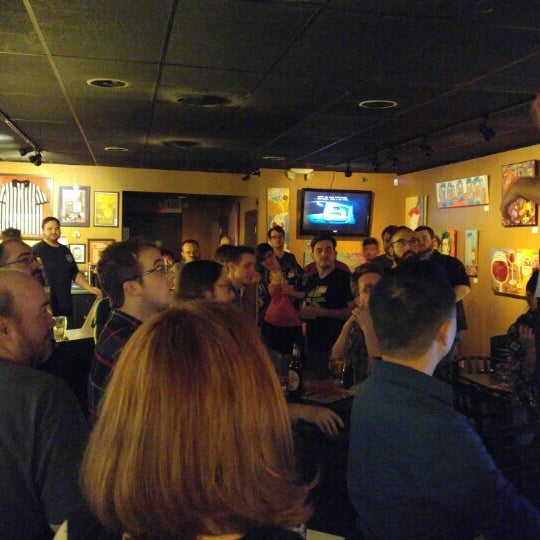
107	83
204	100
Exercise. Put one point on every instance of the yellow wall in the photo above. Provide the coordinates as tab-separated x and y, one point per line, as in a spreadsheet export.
487	314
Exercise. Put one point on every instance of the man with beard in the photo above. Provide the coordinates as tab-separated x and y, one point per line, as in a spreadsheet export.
403	245
43	429
327	305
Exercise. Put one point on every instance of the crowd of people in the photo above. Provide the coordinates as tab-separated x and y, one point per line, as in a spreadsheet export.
188	433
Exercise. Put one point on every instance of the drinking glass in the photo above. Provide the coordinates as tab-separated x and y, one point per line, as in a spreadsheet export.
336	365
60	327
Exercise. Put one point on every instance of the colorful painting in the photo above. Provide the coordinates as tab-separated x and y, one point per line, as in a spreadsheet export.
277	210
73	206
471	252
521	212
448	242
511	269
29	192
415	211
106	209
471	191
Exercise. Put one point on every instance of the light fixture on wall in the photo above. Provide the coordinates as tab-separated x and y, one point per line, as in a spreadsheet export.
292	172
487	132
348	171
24	151
36	159
250	174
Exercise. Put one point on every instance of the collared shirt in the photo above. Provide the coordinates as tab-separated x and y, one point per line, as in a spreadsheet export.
418	470
116	332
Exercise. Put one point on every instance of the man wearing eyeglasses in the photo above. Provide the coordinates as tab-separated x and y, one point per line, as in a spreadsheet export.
138	284
403	245
16	255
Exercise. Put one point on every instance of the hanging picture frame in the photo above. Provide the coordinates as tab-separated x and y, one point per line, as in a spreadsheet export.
79	252
106	208
472	191
95	248
521	212
73	206
415	211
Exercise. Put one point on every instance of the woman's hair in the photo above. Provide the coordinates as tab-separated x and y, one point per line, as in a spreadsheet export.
193	435
195	278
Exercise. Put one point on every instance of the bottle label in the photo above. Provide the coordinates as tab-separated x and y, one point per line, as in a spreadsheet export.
294	380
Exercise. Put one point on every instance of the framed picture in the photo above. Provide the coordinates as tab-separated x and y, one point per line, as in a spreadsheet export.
74	206
471	191
448	242
521	212
471	252
511	269
79	252
34	191
95	248
106	209
415	211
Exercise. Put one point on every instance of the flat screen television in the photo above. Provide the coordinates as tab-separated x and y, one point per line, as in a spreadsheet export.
337	211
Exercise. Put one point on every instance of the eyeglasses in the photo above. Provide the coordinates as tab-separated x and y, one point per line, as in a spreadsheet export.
25	261
403	243
276	237
162	269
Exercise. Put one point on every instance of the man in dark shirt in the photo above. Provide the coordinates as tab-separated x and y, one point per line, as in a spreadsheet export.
385	260
43	432
416	467
138	284
327	305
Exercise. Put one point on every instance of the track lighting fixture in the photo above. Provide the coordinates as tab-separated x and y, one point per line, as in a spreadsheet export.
348	172
36	159
24	151
487	132
291	173
426	149
250	174
376	164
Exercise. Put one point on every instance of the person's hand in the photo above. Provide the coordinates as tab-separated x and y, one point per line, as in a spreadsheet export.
286	288
96	291
325	419
312	311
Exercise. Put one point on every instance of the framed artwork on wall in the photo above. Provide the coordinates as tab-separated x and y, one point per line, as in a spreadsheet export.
106	208
471	191
522	212
471	252
79	252
277	209
415	211
95	248
35	192
448	242
74	206
511	269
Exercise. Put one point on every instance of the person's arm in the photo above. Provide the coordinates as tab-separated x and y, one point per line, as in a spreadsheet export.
340	346
461	292
316	310
325	419
526	187
81	282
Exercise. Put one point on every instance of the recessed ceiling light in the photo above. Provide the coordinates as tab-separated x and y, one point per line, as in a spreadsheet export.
116	149
378	104
274	158
204	100
107	83
181	144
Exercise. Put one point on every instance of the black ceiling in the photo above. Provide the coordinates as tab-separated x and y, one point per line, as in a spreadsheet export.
292	73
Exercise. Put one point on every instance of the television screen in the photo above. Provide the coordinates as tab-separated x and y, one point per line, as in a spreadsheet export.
341	212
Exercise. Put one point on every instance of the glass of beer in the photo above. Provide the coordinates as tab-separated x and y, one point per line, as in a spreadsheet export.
60	328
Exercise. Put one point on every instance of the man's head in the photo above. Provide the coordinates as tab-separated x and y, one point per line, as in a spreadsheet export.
26	335
133	272
411	309
276	237
190	250
11	234
241	265
386	236
403	245
425	237
370	248
323	252
363	280
16	255
50	228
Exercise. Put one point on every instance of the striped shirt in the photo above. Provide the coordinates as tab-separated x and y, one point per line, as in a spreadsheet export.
21	206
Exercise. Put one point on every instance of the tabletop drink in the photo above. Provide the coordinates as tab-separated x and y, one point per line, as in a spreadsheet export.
60	328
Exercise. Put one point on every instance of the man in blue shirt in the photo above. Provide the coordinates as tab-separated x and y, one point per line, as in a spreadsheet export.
416	467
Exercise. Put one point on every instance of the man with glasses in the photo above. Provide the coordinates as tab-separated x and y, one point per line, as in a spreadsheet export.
16	255
138	284
403	245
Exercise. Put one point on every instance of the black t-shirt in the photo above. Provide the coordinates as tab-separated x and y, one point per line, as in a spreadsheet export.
333	292
61	269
